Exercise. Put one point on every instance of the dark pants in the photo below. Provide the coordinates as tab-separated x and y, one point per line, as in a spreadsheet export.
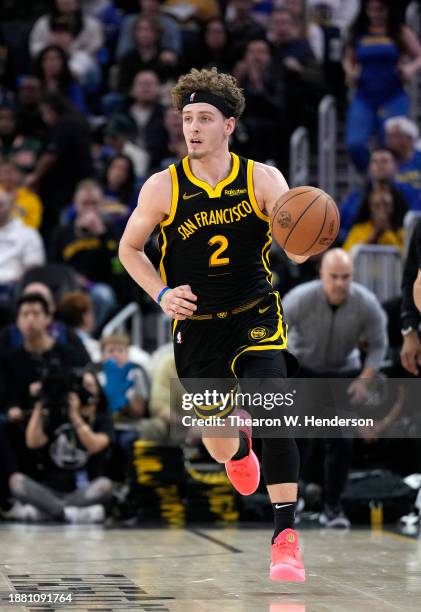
337	451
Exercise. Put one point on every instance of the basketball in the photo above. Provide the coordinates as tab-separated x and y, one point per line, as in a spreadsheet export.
305	221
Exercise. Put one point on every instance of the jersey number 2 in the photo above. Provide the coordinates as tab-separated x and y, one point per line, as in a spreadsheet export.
215	259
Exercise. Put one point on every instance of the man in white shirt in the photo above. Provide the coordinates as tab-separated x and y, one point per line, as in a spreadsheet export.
21	247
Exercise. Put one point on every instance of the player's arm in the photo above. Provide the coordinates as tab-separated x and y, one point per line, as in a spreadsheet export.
269	185
153	206
417	291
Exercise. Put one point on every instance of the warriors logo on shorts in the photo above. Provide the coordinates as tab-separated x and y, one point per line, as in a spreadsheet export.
258	333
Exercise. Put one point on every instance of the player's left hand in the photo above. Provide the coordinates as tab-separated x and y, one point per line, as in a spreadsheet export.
178	302
357	391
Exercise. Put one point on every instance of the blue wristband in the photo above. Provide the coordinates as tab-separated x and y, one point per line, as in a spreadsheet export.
162	293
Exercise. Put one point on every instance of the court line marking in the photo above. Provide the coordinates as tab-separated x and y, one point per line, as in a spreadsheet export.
401	536
360	591
205	536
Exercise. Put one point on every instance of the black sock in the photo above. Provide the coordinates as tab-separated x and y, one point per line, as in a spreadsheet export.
284	515
244	447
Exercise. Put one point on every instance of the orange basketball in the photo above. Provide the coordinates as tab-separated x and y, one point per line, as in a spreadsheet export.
305	221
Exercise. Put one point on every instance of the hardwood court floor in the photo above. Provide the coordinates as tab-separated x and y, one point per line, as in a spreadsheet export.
206	570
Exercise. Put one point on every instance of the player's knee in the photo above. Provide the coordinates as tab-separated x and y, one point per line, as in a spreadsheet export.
221	450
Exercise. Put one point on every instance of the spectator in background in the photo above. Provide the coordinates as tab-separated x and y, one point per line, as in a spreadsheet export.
264	114
71	487
125	383
26	204
77	311
176	147
52	69
11	337
382	170
374	63
242	26
21	248
379	219
65	161
66	26
307	30
401	137
147	113
14	143
214	49
119	182
411	307
170	32
147	54
29	96
327	320
119	133
89	246
24	365
302	74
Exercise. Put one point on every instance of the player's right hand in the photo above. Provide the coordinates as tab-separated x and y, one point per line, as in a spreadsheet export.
411	353
178	303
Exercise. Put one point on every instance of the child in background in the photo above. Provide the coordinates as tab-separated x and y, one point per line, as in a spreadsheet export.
125	383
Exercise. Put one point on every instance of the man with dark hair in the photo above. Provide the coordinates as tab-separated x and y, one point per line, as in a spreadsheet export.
382	170
24	365
65	161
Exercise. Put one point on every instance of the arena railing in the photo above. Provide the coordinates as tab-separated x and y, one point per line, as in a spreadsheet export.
299	156
129	318
379	269
327	145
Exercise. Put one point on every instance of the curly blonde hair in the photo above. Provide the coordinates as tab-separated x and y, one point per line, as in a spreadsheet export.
209	79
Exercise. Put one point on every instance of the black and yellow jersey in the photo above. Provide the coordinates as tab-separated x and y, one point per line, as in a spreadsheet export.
216	240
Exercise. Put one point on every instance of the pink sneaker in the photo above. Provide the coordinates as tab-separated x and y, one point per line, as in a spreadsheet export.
286	560
244	474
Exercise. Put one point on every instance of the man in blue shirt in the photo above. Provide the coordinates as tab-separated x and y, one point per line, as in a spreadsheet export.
382	169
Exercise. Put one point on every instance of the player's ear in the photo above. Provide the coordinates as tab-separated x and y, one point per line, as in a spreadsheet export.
230	126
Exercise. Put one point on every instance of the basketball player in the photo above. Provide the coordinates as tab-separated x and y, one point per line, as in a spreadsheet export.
214	280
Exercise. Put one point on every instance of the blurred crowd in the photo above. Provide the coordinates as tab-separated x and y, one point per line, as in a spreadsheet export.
85	119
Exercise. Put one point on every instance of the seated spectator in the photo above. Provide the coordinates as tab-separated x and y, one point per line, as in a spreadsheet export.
125	383
307	30
110	17
25	364
79	35
379	219
401	137
89	245
11	338
27	206
382	170
176	147
119	134
52	69
28	100
66	160
242	26
14	143
21	248
214	49
170	32
373	62
263	116
120	186
147	113
71	486
302	73
76	310
147	54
